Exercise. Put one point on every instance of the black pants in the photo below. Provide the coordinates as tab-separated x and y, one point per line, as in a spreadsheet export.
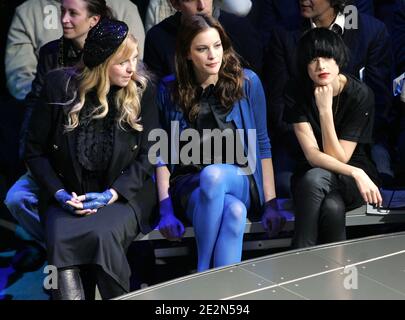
321	199
79	283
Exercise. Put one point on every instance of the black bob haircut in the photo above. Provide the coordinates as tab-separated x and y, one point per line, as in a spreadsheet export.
320	42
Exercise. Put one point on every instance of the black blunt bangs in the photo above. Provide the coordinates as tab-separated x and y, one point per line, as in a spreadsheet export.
321	42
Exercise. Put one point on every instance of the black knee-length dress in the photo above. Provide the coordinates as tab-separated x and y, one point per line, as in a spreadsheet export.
186	177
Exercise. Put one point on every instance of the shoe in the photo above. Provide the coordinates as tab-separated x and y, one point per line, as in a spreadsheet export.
29	258
70	285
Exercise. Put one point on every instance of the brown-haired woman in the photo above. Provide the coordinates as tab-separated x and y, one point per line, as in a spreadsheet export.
215	191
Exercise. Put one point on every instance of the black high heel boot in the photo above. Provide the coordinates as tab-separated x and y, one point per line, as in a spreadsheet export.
69	285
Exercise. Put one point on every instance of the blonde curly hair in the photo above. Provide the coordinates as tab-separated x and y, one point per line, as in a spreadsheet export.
127	99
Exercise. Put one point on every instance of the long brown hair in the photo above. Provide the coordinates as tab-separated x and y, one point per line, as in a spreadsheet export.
230	76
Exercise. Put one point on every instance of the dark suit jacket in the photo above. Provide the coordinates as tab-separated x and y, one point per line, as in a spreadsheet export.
398	37
160	43
370	48
50	152
286	14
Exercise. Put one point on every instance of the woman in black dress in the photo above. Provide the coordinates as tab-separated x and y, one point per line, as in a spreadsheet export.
332	114
77	18
87	146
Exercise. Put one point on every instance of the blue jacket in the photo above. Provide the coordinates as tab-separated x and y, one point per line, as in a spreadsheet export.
247	113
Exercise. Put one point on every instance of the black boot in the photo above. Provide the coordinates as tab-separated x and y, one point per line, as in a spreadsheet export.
107	286
69	285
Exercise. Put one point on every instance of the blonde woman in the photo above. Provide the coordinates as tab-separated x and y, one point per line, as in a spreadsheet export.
87	146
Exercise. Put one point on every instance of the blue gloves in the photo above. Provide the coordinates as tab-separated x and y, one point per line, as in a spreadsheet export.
95	200
273	221
90	201
169	226
62	196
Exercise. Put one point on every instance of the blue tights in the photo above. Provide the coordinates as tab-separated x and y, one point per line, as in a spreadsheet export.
217	210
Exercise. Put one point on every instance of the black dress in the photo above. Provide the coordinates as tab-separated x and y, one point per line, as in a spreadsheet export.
93	157
186	177
104	237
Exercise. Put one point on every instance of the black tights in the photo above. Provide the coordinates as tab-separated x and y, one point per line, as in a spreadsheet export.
319	207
